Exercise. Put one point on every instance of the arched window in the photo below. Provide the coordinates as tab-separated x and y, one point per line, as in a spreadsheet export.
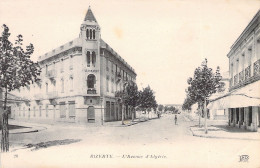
93	58
90	34
87	33
94	34
88	58
91	81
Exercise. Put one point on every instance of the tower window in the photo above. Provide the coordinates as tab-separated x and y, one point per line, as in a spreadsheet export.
93	58
91	81
90	34
88	58
94	34
87	33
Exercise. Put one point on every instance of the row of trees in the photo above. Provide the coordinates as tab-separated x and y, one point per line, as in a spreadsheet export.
130	96
162	108
16	70
204	83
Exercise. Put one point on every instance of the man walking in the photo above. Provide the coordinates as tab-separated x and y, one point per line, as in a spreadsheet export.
175	119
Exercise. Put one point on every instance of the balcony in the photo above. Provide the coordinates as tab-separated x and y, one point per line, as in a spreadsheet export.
241	76
118	77
52	95
257	67
91	91
245	77
248	72
51	74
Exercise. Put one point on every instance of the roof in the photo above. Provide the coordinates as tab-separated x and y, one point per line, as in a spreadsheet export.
90	16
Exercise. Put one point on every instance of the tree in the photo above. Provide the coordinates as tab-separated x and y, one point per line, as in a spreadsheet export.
203	84
160	108
147	99
132	96
16	70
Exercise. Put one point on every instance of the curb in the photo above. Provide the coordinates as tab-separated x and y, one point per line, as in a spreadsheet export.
217	137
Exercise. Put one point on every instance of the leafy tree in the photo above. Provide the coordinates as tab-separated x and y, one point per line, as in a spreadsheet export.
132	96
160	108
16	70
147	99
203	84
121	97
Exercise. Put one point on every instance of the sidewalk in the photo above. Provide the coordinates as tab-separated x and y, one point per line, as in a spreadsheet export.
28	127
221	130
225	132
127	122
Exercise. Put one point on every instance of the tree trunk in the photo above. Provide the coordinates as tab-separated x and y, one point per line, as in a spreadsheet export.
123	114
205	115
5	131
132	111
200	112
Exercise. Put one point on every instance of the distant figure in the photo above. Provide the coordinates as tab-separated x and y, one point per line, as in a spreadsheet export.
175	119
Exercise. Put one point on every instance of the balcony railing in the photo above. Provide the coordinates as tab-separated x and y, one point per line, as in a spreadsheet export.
51	74
248	72
245	77
52	95
236	79
118	77
91	91
257	67
241	76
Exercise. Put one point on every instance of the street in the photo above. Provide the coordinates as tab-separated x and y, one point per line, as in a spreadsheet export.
155	143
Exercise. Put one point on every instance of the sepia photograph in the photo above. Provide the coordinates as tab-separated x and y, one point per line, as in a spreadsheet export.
130	84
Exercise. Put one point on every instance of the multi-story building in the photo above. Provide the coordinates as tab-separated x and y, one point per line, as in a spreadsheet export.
78	81
243	99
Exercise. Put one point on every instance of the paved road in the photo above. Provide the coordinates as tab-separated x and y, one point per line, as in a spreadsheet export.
156	143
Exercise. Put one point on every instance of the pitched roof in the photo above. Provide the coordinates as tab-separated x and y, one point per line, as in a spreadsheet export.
90	16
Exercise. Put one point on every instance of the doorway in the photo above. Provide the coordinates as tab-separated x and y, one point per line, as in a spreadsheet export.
91	114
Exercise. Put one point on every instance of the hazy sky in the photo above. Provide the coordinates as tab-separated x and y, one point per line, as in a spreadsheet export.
164	41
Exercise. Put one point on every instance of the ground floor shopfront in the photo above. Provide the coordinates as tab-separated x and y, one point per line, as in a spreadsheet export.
243	105
77	109
245	117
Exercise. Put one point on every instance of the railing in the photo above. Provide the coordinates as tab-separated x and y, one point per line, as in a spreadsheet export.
52	95
248	72
257	67
51	74
241	76
236	79
91	91
245	77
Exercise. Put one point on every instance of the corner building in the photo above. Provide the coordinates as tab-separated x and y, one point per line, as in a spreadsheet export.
78	82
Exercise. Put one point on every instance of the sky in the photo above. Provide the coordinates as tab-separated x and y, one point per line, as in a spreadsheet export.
164	41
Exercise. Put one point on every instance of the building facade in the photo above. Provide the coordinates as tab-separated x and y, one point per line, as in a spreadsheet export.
243	99
78	81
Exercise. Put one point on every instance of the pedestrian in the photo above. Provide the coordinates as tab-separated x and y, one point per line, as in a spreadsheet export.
175	119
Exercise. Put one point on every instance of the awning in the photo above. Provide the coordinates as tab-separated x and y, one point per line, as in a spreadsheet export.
242	97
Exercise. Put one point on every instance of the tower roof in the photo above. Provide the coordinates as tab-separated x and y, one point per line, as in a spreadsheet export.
90	16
